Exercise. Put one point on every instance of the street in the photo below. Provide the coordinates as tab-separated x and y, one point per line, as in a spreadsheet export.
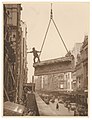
62	111
50	109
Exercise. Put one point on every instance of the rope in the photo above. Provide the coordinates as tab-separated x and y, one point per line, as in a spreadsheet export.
51	18
45	37
60	35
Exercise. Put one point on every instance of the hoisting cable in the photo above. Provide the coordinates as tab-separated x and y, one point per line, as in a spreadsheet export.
60	35
51	18
45	37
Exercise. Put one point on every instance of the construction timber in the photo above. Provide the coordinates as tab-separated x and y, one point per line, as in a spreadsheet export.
54	66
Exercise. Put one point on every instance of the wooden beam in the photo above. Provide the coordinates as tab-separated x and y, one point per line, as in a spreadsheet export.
6	94
53	66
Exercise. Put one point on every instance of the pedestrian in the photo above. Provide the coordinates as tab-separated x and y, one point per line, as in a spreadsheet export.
35	53
58	98
69	107
57	106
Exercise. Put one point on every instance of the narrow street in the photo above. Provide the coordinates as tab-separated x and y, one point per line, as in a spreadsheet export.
50	109
62	111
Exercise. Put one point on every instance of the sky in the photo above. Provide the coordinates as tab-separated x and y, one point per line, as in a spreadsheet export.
72	20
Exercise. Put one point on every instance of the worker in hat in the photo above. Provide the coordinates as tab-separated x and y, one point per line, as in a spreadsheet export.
35	53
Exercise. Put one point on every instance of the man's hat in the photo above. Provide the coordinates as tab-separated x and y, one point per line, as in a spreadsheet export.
33	48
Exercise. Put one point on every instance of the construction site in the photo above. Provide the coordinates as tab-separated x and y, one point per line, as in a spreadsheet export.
58	87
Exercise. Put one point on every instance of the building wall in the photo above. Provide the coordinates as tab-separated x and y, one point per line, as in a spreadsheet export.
23	62
54	82
79	76
68	79
52	74
12	51
38	83
84	58
76	51
74	82
82	67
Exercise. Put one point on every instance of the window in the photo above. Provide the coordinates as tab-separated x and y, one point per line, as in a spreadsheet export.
79	81
61	86
68	76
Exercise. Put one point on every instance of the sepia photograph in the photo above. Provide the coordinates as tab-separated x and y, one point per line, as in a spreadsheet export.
45	58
